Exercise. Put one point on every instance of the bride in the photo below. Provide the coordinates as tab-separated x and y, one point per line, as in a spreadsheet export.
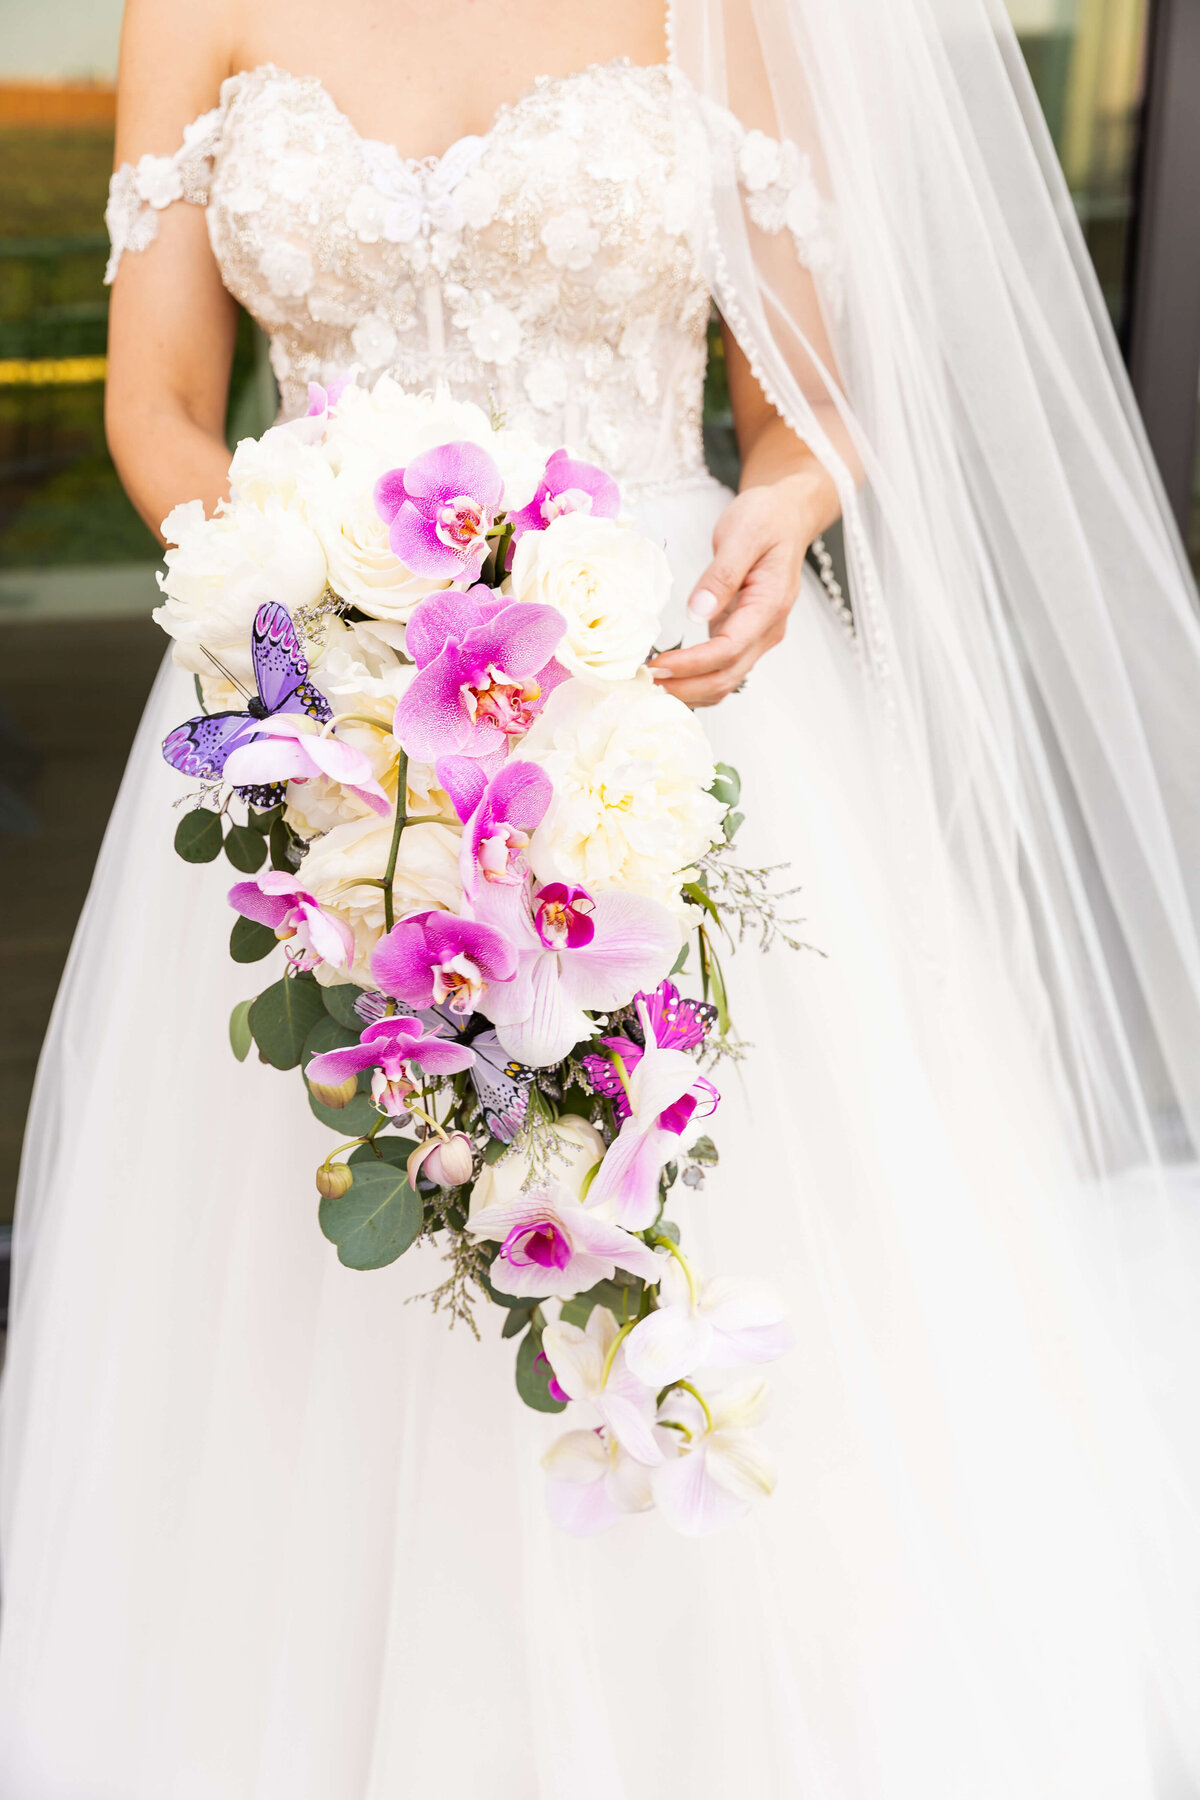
268	1532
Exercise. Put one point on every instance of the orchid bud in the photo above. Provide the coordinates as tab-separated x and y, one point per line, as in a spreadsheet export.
447	1161
334	1180
337	1095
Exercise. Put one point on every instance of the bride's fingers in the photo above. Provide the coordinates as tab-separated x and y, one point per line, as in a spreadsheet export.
707	672
738	546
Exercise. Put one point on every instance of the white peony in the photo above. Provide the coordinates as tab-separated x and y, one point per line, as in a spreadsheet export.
630	765
610	583
567	1150
276	465
219	571
340	865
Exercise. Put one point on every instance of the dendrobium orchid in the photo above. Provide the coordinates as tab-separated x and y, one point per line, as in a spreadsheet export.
568	486
665	1096
485	669
440	509
439	959
592	1481
587	953
550	1245
590	1365
388	1047
720	1323
718	1469
278	899
290	747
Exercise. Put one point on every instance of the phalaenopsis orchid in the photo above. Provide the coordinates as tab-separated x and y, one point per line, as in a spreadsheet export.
488	906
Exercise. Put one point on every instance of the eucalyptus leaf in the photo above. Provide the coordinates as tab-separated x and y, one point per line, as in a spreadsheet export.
350	1121
494	1149
250	942
733	824
282	1017
198	835
245	849
240	1036
285	853
704	1151
262	821
667	1228
680	963
516	1322
393	1150
727	788
376	1221
533	1375
339	1004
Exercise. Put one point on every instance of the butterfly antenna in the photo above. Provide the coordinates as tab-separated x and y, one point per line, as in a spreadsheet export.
217	664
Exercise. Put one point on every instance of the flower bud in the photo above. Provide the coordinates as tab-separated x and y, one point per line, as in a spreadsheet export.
334	1180
336	1096
447	1161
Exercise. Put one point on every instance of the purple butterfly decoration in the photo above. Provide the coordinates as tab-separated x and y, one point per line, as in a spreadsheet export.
200	747
677	1023
501	1085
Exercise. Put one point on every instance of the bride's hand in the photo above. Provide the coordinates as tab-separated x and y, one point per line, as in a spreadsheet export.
747	591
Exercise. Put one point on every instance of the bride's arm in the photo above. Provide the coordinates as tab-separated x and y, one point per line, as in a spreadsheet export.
171	324
759	544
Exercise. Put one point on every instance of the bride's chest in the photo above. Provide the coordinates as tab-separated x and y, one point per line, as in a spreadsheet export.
579	209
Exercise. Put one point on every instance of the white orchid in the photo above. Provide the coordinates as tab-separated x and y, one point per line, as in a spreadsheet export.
718	1323
590	1366
593	1482
718	1469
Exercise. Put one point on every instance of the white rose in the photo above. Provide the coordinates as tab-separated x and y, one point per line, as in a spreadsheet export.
287	267
362	565
219	571
495	335
575	1146
340	864
610	583
630	765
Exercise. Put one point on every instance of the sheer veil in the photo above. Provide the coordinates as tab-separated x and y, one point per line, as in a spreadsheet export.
1025	616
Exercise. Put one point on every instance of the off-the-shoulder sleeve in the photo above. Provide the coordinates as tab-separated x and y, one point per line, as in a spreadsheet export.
139	191
782	195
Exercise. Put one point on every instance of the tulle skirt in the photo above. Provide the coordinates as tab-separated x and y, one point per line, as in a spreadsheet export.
271	1531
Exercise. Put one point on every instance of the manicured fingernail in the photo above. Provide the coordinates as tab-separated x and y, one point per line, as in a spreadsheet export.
660	674
702	604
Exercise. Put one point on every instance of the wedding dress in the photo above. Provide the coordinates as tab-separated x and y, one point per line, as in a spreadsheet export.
270	1530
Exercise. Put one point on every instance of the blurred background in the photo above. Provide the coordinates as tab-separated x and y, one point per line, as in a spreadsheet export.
1119	81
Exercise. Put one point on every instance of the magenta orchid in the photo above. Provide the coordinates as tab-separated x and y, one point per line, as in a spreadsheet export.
437	958
500	816
485	669
388	1047
568	486
665	1097
550	1245
440	509
286	748
279	900
584	954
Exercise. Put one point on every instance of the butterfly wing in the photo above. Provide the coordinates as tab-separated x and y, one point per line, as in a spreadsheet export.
200	747
281	667
502	1086
679	1023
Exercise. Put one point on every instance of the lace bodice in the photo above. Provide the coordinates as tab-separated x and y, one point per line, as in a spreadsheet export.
551	269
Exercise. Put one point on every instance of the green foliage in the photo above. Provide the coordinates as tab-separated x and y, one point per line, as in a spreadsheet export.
704	1151
262	821
623	1301
533	1377
282	1017
727	788
339	1004
198	836
517	1320
393	1150
376	1221
732	824
245	849
250	942
350	1121
285	846
240	1038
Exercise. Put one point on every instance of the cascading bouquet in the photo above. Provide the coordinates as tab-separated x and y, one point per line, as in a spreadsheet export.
488	843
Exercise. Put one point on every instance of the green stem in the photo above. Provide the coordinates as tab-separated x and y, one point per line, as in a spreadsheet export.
611	1358
699	1398
389	899
660	1238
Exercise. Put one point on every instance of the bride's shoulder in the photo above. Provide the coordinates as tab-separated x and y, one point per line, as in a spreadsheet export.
174	57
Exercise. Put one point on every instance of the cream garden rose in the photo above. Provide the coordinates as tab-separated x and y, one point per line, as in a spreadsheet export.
340	865
574	1146
610	583
630	765
363	568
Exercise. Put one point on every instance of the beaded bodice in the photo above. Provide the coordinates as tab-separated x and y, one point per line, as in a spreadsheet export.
552	270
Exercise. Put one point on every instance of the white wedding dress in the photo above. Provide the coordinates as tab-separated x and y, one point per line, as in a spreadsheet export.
272	1533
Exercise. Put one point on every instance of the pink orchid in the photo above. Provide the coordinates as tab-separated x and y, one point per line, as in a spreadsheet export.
677	1024
551	1245
279	900
585	954
500	816
486	667
440	509
310	426
286	750
437	958
666	1096
568	486
388	1047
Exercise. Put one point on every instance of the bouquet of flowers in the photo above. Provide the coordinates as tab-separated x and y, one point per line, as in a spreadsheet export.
488	845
